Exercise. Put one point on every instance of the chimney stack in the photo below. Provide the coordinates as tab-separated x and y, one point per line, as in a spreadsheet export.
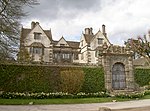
37	23
32	24
89	31
103	30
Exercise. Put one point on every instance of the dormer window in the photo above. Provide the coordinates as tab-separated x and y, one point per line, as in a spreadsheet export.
100	40
37	36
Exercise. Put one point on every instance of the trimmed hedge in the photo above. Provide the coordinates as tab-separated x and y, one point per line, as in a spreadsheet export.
94	80
25	78
142	76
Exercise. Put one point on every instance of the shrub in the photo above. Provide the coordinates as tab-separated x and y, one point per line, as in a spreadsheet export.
142	76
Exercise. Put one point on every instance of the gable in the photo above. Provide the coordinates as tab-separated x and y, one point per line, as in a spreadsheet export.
62	42
45	36
95	41
99	34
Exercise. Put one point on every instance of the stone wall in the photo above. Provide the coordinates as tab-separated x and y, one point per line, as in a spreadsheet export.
111	55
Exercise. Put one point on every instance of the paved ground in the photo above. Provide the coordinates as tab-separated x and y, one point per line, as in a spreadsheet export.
82	107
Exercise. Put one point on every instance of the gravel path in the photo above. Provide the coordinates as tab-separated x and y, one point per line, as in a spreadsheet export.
81	107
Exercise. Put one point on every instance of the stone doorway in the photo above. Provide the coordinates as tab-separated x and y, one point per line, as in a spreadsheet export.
118	77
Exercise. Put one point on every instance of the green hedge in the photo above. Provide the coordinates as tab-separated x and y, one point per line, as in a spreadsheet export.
25	78
94	80
142	76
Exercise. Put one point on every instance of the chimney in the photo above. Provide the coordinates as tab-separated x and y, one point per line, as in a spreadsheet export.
37	23
91	31
103	30
88	31
32	24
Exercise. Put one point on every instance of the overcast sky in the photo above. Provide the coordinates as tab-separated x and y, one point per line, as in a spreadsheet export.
123	18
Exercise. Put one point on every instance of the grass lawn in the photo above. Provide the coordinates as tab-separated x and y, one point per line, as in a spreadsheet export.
147	97
57	101
62	101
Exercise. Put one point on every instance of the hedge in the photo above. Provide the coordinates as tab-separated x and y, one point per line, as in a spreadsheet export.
142	76
33	78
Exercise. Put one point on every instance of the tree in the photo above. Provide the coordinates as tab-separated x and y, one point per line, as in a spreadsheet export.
140	46
10	14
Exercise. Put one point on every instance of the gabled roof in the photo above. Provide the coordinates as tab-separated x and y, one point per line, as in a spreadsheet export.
48	33
70	43
26	31
73	44
88	38
60	40
103	35
140	62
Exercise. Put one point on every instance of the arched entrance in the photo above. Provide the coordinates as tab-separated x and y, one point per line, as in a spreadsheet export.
118	76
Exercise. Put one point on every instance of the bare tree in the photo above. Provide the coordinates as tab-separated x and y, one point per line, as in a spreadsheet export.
140	46
11	11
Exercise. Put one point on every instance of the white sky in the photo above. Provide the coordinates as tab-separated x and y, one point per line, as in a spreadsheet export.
123	18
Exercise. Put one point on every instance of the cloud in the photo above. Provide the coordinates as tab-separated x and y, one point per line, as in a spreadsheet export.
123	18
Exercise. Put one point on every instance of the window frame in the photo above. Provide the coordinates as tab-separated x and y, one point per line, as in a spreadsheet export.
37	36
100	40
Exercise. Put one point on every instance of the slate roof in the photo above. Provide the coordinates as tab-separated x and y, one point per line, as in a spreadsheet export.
70	43
73	44
88	38
140	62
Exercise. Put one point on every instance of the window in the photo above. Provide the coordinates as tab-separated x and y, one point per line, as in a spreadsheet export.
100	40
37	36
65	56
55	55
76	57
82	43
96	53
62	44
82	56
36	50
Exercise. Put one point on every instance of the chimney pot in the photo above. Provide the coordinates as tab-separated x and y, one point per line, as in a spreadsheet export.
37	22
32	24
87	31
103	30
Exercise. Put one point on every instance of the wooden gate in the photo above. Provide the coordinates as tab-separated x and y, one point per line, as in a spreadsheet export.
118	77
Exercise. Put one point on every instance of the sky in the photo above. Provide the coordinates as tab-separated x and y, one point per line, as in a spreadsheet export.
68	18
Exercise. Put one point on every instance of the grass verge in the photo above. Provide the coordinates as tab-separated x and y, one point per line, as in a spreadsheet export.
57	101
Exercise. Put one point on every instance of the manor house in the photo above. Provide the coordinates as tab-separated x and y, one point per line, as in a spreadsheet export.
41	47
37	45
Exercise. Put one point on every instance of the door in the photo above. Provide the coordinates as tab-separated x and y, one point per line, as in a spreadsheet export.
118	77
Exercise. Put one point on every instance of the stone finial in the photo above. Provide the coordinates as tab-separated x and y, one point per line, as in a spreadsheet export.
104	109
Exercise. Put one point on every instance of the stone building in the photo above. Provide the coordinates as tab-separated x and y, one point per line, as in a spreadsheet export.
118	66
42	48
93	49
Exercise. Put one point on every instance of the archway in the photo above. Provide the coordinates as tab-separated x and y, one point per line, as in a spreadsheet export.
118	76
